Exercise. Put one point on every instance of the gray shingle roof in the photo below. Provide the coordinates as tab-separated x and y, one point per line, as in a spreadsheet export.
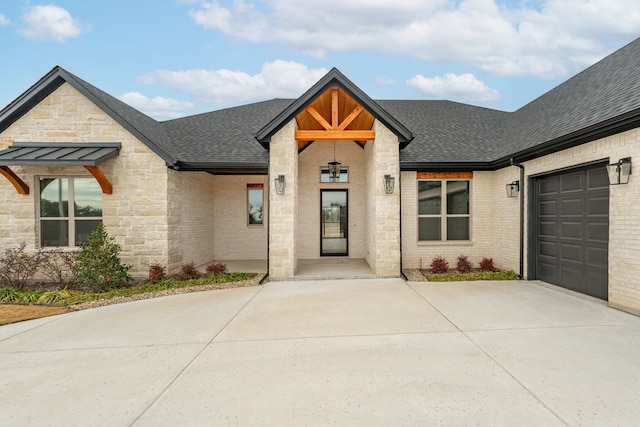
605	91
224	136
599	101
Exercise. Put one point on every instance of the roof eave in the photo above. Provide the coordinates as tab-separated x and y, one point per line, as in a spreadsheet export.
615	125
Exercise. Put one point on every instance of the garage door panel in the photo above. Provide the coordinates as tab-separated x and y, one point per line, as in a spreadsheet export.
598	232
572	278
548	249
548	229
572	182
573	206
597	285
597	257
597	178
571	253
548	186
598	205
549	207
548	272
572	230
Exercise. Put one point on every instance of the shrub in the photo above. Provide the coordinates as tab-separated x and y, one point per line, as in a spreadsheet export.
439	265
99	266
156	273
463	265
219	268
188	271
17	266
487	265
59	265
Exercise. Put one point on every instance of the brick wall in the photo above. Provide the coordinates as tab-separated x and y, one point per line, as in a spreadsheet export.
314	157
234	238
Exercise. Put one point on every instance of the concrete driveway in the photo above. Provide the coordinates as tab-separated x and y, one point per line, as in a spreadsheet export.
353	352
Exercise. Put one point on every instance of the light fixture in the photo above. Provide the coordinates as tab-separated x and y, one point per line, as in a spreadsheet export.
619	172
513	188
334	167
389	183
280	185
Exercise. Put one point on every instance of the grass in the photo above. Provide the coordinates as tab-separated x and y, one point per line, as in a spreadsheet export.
67	297
480	275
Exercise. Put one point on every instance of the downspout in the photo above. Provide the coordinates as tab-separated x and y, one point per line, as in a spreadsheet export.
402	275
521	185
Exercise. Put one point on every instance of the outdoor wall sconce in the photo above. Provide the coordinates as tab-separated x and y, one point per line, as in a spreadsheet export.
513	188
280	185
389	183
619	172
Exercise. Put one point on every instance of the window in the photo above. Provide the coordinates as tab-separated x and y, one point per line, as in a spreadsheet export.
325	177
255	203
443	210
61	225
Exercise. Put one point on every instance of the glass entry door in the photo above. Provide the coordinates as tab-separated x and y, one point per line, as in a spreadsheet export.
334	230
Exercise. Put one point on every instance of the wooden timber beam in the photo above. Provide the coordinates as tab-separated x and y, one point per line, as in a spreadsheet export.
314	113
350	118
14	179
334	109
106	186
327	135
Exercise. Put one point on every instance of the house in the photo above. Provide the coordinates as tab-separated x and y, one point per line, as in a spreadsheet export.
337	175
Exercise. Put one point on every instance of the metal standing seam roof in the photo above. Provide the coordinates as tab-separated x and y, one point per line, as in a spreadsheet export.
58	154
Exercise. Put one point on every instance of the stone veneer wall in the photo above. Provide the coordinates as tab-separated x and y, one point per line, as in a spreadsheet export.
233	237
382	250
283	209
135	214
310	161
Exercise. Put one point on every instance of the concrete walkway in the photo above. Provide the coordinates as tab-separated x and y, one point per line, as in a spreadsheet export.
356	352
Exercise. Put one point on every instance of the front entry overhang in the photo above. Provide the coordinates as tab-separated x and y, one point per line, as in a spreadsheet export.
87	155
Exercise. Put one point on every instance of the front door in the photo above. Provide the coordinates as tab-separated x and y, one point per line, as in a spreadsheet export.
334	230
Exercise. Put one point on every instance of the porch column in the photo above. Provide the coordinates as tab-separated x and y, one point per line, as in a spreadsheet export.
283	208
384	159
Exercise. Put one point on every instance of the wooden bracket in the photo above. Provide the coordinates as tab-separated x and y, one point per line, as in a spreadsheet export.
106	186
14	179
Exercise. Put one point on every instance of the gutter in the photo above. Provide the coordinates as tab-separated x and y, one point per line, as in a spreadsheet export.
514	163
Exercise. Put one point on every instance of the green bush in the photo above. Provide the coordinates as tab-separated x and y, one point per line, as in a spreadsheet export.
98	263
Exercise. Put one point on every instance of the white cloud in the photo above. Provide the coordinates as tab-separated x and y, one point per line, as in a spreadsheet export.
277	79
3	21
463	88
385	81
50	23
159	108
540	38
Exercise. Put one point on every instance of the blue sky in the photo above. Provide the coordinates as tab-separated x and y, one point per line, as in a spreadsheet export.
172	58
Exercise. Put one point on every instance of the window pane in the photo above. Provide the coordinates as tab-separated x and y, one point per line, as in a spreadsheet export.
429	229
54	197
458	197
429	197
87	196
344	175
84	228
457	228
54	233
255	205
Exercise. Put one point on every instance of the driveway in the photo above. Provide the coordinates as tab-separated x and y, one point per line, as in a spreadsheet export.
353	352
